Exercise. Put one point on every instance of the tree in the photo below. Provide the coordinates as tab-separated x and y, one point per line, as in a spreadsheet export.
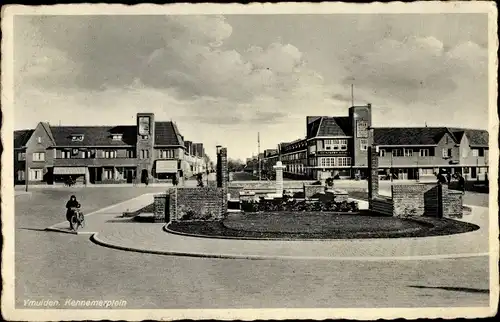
235	165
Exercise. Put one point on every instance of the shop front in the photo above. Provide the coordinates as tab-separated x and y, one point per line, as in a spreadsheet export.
76	174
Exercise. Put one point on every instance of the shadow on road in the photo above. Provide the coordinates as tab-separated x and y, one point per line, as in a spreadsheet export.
455	289
33	229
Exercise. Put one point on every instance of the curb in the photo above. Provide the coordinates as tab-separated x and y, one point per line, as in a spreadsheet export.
103	243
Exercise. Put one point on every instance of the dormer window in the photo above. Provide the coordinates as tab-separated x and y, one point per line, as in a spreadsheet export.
77	137
117	137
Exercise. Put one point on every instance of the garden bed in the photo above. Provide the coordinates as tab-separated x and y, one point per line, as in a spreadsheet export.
291	226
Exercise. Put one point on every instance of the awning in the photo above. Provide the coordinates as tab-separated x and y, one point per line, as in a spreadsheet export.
166	166
69	170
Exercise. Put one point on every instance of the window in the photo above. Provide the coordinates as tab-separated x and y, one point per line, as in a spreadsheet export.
481	152
21	156
446	139
343	162
130	154
77	138
424	152
408	152
382	152
87	154
144	154
117	137
397	153
343	145
109	154
39	156
20	175
336	145
39	139
475	152
446	153
65	154
35	175
466	169
363	143
166	154
327	162
108	174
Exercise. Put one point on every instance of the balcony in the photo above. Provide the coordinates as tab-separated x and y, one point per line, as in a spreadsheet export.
124	162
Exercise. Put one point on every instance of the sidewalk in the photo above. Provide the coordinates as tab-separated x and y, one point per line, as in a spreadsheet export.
125	234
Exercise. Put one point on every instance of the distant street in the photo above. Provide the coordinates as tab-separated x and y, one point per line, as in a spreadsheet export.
52	265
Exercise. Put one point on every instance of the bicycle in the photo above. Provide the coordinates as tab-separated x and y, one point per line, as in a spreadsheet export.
77	219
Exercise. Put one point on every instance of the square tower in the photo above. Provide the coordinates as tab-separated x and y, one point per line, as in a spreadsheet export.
145	145
360	118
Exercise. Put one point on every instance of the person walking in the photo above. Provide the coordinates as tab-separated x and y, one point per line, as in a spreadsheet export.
448	177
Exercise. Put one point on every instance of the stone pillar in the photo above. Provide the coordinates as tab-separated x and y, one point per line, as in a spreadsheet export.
160	202
278	168
87	176
222	176
372	174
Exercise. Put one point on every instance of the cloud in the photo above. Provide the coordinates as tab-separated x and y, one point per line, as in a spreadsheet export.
417	68
201	71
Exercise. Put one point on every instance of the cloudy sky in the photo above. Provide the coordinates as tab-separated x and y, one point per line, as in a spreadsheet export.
225	78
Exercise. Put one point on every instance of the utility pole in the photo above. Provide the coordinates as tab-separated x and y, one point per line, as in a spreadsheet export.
258	152
352	94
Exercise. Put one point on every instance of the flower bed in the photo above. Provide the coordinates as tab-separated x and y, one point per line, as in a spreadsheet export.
296	205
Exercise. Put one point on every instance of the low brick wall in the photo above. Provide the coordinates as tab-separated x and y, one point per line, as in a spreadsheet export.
271	185
452	203
234	191
160	201
197	204
415	199
311	190
382	206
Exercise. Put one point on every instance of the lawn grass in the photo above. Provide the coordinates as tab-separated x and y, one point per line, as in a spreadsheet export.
321	226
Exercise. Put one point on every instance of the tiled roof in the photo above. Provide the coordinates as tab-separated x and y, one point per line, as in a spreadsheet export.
166	133
328	126
409	135
21	137
94	135
476	137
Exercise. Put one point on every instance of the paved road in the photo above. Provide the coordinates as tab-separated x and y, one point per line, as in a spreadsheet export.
60	266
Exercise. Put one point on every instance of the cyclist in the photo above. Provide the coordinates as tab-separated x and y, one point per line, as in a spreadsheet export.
71	206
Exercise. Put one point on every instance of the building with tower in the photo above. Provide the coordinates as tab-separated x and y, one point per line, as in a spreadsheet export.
337	147
150	150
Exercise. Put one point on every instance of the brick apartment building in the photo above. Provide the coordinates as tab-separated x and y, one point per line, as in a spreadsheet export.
337	147
105	154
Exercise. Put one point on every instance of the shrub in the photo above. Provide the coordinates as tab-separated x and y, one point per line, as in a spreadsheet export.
293	205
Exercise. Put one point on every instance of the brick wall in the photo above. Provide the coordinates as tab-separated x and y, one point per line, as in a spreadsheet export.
415	199
234	191
197	203
372	173
223	177
310	190
270	185
383	206
160	202
452	203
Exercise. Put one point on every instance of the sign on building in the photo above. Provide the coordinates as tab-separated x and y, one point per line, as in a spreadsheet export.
362	129
144	125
